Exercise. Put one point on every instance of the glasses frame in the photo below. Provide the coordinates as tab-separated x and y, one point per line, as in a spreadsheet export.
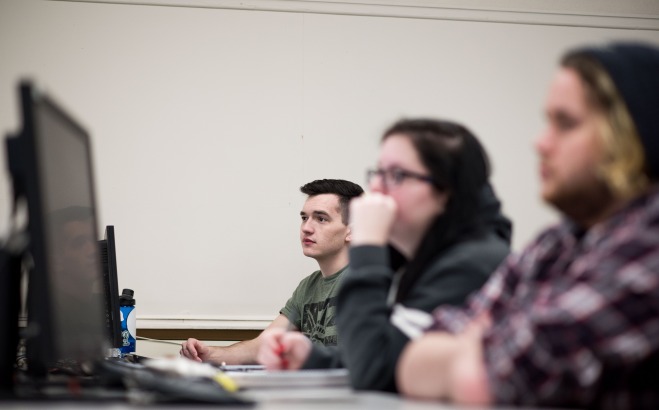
396	176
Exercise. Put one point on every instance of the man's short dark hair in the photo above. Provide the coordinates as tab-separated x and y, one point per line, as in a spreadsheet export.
345	190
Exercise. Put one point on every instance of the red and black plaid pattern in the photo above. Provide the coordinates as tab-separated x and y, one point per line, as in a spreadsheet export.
575	315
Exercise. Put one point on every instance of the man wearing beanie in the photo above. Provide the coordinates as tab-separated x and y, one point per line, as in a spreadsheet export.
572	321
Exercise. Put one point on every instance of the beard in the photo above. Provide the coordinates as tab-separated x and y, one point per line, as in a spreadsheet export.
585	204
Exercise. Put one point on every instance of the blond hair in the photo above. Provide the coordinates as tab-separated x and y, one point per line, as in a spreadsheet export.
624	165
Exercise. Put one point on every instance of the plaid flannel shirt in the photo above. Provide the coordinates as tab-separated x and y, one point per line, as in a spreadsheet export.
575	316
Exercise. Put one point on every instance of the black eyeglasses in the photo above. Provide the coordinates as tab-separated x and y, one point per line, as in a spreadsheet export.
396	176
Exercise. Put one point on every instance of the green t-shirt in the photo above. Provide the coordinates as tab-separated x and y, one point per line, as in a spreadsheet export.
313	307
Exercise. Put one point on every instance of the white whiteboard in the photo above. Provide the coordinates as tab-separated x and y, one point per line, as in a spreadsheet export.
206	121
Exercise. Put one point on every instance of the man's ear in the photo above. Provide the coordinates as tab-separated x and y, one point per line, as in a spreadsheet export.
349	235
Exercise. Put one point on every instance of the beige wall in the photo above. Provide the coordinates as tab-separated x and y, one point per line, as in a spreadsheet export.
170	348
206	118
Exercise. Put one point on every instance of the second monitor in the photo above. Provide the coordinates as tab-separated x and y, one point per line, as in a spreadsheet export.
111	287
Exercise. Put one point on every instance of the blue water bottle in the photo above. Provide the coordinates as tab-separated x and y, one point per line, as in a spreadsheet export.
128	327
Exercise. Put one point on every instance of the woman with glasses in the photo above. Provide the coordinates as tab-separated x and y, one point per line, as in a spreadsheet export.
429	232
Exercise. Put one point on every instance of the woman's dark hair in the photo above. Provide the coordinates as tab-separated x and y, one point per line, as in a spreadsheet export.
459	167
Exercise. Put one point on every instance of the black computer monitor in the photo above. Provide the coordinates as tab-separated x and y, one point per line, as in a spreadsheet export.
51	167
10	301
108	250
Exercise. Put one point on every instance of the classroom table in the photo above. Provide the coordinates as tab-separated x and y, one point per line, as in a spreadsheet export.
324	398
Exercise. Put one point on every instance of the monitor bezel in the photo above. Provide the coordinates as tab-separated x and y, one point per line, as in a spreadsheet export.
111	280
42	347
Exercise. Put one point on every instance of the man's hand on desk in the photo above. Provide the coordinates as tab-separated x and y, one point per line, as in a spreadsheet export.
195	350
281	349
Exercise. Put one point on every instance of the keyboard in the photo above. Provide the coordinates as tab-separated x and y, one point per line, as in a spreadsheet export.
146	385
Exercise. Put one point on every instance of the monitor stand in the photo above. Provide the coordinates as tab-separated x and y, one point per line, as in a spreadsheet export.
11	259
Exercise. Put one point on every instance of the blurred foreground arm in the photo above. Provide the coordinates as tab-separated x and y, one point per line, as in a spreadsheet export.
442	366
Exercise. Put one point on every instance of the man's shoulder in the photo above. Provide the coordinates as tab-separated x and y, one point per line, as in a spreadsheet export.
317	280
311	279
648	206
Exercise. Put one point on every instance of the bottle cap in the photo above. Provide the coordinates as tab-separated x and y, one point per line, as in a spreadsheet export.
126	298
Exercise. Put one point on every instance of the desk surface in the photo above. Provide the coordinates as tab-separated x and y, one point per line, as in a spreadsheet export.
327	398
277	399
294	399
